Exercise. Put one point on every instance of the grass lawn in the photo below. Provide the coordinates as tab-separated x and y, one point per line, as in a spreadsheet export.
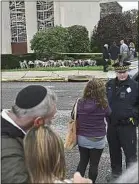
95	68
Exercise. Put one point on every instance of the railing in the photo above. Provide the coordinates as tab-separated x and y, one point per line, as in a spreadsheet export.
78	53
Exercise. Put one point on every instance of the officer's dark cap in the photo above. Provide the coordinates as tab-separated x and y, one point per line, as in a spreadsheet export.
121	66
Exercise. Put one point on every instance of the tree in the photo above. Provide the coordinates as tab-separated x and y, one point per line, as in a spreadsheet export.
79	39
111	28
50	41
94	45
132	15
131	18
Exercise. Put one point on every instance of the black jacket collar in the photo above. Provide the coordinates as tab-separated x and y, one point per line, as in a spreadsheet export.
7	129
123	83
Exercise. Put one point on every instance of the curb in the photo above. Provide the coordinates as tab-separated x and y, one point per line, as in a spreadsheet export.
47	80
36	80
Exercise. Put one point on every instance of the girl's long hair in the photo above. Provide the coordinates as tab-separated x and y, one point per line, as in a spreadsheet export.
44	155
95	89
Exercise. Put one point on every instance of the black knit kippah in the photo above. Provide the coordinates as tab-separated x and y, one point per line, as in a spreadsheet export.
30	96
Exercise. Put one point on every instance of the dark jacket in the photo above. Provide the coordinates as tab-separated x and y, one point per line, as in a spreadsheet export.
13	168
114	52
90	118
105	53
123	99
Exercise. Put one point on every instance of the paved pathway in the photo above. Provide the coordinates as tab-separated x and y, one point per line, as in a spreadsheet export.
49	75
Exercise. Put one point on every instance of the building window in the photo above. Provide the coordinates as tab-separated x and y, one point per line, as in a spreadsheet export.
45	14
18	21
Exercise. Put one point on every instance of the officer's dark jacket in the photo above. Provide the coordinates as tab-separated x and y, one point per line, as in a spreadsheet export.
13	168
123	99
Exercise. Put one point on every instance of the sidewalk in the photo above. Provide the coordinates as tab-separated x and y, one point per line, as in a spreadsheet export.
50	75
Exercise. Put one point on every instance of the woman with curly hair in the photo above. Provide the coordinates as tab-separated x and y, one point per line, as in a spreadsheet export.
92	108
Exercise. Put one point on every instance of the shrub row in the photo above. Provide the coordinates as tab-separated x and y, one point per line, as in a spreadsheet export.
9	61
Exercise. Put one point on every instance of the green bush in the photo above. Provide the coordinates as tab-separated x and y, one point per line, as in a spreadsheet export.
28	57
47	43
9	61
79	39
99	61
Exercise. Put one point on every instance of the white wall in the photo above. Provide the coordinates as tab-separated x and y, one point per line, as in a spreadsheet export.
65	14
57	15
77	13
5	28
31	21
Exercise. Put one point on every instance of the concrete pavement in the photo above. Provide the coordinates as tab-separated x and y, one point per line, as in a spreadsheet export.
51	75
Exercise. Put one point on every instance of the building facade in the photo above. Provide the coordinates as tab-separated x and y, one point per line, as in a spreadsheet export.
22	19
109	8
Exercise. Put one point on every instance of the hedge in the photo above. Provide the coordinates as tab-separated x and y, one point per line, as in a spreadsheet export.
9	61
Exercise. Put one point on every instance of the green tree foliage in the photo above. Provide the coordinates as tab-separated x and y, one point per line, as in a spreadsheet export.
131	18
79	39
111	28
95	46
131	15
48	42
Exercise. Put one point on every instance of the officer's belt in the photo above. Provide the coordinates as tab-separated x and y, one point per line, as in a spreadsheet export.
124	122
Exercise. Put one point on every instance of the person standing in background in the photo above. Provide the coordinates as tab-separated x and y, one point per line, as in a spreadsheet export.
114	52
124	51
131	51
105	57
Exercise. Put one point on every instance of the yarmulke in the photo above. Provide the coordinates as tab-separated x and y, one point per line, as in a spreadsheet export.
30	96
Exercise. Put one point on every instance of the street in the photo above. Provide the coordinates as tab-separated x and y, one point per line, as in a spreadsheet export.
67	94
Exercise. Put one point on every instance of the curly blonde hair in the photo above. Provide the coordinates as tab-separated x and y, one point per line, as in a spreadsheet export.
95	89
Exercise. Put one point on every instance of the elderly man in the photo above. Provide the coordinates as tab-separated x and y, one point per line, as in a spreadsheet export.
106	57
123	99
124	51
32	104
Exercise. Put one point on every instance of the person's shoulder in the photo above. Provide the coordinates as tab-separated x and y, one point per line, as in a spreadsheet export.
134	84
110	82
133	81
11	145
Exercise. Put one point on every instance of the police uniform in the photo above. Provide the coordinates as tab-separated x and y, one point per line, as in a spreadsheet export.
121	133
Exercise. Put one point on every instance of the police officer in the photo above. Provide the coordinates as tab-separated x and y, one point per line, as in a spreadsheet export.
122	93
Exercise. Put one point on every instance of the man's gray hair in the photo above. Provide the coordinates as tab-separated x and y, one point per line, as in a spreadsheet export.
106	45
42	109
130	175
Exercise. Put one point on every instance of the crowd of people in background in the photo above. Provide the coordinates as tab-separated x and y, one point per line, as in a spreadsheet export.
127	52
